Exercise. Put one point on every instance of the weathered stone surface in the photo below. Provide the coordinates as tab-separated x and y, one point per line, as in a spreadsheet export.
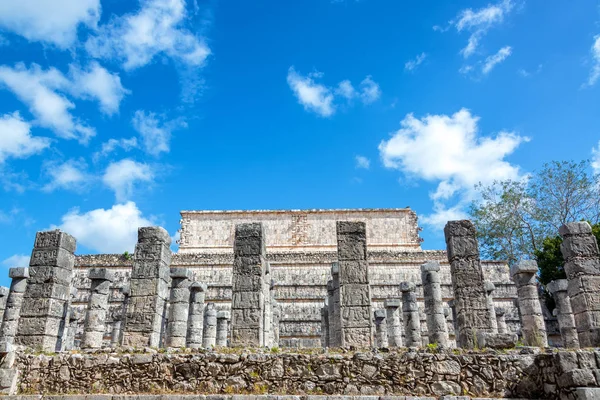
95	320
394	322
533	327
355	291
179	307
582	266
14	302
223	318
489	291
496	340
381	330
196	316
434	310
41	321
501	320
472	315
564	312
410	314
249	286
148	288
209	334
325	324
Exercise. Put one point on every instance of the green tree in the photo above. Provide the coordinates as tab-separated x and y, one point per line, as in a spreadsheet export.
514	218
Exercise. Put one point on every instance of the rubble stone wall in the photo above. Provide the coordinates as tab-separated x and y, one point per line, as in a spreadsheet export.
480	374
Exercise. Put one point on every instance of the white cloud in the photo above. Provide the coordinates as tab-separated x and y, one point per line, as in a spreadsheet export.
362	162
49	21
478	22
111	230
491	61
157	28
112	144
38	89
448	151
596	159
155	133
526	74
97	83
441	215
595	72
70	175
313	96
346	90
16	140
370	91
319	98
17	260
122	176
412	64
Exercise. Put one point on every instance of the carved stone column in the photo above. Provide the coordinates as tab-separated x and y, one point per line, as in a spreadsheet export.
582	266
381	329
179	307
149	288
8	330
209	334
394	322
196	317
489	290
97	308
533	327
410	313
48	290
472	314
564	313
434	308
355	291
501	320
222	328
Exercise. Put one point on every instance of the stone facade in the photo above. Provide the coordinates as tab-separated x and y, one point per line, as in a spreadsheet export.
300	272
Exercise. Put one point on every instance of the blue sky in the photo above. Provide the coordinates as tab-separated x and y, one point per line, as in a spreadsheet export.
117	114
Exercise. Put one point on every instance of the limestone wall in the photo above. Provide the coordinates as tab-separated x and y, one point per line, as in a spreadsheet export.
298	230
400	373
300	288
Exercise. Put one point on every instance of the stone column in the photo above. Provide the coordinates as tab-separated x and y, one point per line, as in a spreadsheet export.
582	266
394	322
501	320
116	331
276	319
209	334
268	308
248	302
97	308
410	313
8	330
381	329
67	342
196	316
149	288
434	308
472	315
48	290
533	327
179	307
335	316
330	314
355	291
4	292
489	290
325	325
222	328
564	313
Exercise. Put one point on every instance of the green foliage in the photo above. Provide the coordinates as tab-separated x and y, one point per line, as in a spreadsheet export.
127	255
519	219
550	260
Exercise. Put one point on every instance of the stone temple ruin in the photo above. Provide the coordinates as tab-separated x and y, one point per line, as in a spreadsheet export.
285	289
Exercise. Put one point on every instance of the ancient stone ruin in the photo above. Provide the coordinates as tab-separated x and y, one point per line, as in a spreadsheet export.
340	302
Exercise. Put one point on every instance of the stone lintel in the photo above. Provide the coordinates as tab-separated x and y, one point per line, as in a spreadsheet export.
575	228
524	267
101	274
379	314
4	291
197	286
335	268
407	287
500	311
558	285
151	234
391	303
223	315
18	272
180	273
430	266
489	287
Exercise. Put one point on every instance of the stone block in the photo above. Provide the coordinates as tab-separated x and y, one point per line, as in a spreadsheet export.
55	239
581	266
559	285
356	316
354	272
576	378
575	228
391	303
49	274
357	337
496	340
18	273
101	274
52	257
462	247
242	336
151	253
43	307
153	234
579	246
180	273
587	393
8	381
355	295
197	286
